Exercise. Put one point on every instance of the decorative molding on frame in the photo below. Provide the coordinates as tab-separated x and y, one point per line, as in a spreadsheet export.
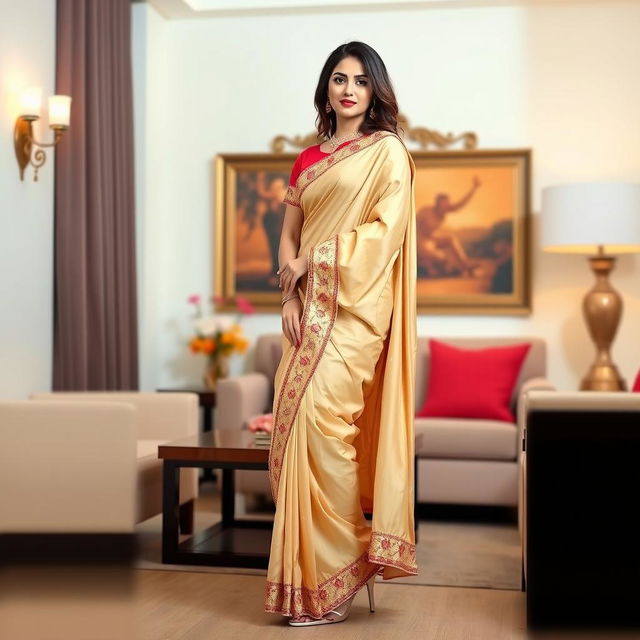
421	135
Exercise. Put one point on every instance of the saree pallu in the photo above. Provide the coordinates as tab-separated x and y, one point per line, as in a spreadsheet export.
343	440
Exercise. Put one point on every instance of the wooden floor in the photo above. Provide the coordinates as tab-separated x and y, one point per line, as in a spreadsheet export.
171	605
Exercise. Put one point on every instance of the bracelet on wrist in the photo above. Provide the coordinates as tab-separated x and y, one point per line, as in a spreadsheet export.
289	298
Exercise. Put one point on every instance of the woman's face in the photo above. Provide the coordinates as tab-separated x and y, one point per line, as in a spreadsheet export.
350	89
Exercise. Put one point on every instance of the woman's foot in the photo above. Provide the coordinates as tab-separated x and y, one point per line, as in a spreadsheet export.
339	614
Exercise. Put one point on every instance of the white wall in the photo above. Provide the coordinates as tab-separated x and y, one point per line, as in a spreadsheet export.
151	91
27	58
560	79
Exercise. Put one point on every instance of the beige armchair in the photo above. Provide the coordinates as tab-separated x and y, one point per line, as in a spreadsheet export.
159	418
471	461
460	461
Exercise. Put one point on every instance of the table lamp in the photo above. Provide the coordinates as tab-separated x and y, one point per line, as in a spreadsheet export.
597	219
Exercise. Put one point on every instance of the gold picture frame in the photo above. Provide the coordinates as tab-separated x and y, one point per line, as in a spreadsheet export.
473	244
473	250
248	219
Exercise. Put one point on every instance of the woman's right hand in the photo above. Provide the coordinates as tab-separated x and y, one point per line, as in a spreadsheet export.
291	315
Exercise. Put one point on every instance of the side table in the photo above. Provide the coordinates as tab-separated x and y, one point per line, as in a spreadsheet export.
207	404
233	542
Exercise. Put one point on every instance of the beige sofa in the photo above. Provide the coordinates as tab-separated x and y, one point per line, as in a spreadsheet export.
460	461
67	467
159	418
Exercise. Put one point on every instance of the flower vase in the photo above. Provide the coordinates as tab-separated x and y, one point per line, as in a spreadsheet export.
217	368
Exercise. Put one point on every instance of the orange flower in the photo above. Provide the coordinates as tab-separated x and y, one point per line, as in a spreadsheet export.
194	344
241	344
227	337
208	345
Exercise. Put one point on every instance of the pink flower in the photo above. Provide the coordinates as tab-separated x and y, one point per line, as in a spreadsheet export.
263	422
338	583
323	265
385	543
323	594
354	570
244	305
304	361
291	394
194	298
323	297
315	328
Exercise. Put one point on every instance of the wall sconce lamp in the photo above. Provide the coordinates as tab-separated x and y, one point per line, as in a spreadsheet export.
59	112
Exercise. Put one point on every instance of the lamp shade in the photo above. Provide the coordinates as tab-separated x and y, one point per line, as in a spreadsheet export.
581	217
59	111
30	101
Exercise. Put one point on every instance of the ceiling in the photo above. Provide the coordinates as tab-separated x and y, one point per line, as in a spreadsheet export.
186	9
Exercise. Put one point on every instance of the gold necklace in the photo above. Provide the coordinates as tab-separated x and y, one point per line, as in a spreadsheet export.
335	142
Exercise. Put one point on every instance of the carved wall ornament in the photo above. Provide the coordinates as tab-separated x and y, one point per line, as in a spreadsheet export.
421	135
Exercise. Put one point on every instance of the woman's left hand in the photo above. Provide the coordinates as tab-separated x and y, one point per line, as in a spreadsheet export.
291	273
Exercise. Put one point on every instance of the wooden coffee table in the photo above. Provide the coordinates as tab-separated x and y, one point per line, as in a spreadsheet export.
232	542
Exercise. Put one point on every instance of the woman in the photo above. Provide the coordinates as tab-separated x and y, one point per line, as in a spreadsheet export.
343	409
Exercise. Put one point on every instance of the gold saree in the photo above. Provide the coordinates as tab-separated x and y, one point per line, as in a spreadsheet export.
343	440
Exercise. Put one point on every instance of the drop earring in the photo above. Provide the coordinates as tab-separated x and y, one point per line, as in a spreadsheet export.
328	107
372	113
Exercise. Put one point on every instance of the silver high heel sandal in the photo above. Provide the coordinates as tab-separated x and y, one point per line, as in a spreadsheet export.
342	611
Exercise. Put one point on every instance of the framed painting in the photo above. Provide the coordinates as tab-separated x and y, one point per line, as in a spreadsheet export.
472	224
472	231
248	222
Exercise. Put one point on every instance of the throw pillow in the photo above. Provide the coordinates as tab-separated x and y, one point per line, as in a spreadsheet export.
472	383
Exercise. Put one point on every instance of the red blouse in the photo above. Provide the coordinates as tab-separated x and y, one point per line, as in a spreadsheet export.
309	156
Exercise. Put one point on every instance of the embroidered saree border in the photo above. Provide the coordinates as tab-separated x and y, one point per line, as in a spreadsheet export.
315	170
393	551
291	196
296	601
320	309
384	549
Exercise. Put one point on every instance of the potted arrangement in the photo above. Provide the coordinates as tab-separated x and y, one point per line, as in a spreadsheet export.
218	337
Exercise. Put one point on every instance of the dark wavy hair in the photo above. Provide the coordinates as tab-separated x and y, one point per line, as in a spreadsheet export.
383	99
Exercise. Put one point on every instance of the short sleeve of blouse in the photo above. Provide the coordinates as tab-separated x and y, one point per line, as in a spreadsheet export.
295	170
291	197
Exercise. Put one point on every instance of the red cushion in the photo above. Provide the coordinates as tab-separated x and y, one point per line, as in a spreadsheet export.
472	383
636	384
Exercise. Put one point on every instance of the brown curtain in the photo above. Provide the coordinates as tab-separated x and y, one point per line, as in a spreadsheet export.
95	319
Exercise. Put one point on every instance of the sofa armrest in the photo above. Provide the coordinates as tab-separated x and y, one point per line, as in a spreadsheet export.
239	398
67	467
533	384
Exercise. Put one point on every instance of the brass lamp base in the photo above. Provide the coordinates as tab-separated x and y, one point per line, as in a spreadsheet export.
602	307
603	378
